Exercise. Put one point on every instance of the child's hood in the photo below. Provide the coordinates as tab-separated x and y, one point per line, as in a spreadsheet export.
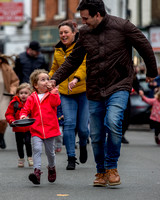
16	98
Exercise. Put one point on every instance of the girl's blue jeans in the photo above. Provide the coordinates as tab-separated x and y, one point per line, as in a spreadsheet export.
76	118
106	129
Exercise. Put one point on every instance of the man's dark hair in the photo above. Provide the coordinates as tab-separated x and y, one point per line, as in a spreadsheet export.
93	6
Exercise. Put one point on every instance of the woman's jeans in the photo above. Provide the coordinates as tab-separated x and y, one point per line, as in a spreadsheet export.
106	120
76	117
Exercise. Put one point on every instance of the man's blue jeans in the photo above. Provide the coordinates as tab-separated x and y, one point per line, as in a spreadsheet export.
76	117
106	120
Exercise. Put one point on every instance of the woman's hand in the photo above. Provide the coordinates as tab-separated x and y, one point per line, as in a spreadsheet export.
72	84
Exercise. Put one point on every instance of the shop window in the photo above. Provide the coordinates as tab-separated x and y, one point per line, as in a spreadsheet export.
42	8
41	11
62	7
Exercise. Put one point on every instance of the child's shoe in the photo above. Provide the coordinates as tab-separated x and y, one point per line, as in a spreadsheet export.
58	150
30	161
51	174
21	162
35	177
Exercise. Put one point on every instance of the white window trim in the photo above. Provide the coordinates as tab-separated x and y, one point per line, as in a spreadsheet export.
57	17
61	14
40	19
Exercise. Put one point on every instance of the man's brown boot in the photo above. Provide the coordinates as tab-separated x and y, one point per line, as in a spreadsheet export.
101	180
113	177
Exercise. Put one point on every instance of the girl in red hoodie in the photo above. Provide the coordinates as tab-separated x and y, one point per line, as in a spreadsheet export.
42	105
22	134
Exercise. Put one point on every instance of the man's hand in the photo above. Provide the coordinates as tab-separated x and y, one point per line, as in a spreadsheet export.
53	83
49	86
72	84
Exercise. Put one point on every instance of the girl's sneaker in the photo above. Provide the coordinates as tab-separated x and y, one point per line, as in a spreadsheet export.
58	150
30	161
35	176
21	162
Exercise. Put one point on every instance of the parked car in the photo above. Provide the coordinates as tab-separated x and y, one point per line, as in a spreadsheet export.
139	110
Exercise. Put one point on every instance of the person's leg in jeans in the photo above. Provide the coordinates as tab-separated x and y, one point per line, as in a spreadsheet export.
82	125
115	106
125	122
98	136
97	132
69	109
83	119
105	118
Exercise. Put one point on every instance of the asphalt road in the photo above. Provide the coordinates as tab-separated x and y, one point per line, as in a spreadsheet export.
139	168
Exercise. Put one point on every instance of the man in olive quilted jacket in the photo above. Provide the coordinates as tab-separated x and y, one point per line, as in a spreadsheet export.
107	40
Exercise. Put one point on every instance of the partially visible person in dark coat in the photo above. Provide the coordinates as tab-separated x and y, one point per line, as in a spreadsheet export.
107	40
28	61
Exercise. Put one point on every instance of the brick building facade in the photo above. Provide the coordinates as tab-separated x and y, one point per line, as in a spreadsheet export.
46	15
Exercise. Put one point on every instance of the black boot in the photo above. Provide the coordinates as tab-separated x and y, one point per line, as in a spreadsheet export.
83	154
71	163
124	140
2	141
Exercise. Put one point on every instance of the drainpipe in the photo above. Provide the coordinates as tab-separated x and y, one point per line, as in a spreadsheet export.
67	9
140	12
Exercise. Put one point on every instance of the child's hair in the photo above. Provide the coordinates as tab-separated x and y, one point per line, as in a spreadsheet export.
157	95
34	77
22	86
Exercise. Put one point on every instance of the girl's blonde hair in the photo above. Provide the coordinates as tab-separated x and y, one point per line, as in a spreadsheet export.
34	77
22	86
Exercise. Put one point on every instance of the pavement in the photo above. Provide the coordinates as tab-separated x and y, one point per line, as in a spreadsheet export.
139	168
